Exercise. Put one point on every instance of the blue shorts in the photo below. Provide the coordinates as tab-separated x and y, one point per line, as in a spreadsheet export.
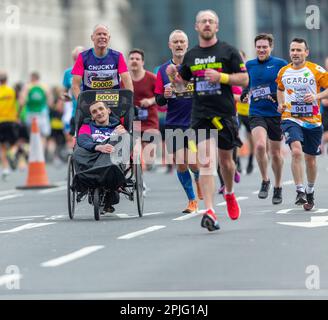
309	138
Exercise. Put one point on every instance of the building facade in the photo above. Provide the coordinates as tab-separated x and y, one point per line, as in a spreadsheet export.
39	35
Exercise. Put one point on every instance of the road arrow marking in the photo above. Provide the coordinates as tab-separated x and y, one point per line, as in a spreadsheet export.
27	226
315	222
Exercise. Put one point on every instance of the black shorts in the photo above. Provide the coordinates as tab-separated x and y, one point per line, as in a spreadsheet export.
175	139
23	132
227	138
325	119
9	132
271	124
245	121
58	136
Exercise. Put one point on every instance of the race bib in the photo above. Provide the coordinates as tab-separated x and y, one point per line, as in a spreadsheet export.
261	92
102	83
111	99
301	109
206	88
187	91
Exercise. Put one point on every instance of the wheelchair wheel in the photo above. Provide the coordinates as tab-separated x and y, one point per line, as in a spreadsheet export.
96	204
71	195
139	188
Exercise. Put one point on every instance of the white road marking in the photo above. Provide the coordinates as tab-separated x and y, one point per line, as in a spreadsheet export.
256	192
11	196
53	190
288	182
288	211
127	216
55	217
71	256
188	216
10	278
238	199
321	221
320	211
140	232
27	226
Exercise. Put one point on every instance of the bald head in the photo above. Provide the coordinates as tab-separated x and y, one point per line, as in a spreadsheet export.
210	12
100	26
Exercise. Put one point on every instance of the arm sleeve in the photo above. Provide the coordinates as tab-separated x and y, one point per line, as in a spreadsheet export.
160	99
78	68
122	67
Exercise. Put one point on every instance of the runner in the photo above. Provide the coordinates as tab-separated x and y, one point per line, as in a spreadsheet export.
299	102
215	66
9	130
37	98
178	116
265	120
100	68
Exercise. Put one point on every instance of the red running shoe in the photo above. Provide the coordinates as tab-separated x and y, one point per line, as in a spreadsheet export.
210	221
232	206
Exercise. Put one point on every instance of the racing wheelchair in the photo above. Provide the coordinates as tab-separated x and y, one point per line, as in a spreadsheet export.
125	179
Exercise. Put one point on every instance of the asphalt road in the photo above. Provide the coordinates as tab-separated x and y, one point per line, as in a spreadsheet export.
271	252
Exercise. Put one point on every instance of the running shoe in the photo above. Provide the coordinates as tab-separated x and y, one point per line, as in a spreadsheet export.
210	221
232	206
309	201
237	176
300	198
192	207
5	174
199	191
108	209
264	191
277	196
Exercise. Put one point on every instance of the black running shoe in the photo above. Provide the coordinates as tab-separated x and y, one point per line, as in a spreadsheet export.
277	196
210	221
309	201
300	198
264	191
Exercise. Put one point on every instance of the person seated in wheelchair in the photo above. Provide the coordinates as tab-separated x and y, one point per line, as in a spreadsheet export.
101	154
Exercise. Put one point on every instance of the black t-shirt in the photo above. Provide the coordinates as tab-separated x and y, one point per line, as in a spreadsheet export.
211	100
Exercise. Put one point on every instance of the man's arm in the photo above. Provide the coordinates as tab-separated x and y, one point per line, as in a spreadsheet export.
76	86
281	101
127	81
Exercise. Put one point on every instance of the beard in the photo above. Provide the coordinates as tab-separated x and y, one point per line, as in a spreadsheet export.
207	35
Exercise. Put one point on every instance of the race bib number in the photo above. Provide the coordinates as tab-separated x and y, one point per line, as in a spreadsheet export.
187	91
206	88
111	99
102	83
299	109
261	92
